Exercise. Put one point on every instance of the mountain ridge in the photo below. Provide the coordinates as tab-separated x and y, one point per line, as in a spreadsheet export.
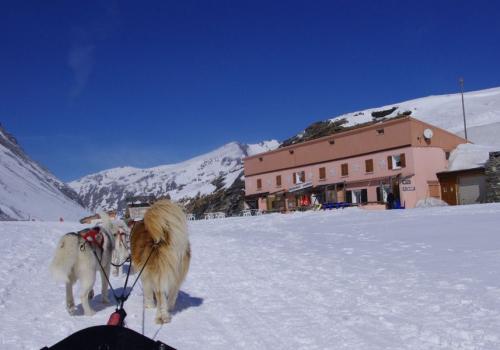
182	181
28	190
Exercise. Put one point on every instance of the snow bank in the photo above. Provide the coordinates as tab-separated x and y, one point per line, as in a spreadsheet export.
431	202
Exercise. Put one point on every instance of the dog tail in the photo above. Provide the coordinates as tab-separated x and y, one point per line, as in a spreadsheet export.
165	221
64	258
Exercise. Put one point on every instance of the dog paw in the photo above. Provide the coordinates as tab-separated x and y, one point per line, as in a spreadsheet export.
161	319
90	312
72	310
149	304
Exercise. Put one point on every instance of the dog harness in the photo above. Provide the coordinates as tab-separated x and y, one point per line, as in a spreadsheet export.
93	236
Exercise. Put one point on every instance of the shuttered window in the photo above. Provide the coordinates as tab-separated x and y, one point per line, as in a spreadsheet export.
402	159
299	177
302	176
396	161
278	180
322	173
369	165
344	169
259	184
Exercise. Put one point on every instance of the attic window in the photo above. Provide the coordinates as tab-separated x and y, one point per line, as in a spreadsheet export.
331	142
380	131
291	151
447	155
261	159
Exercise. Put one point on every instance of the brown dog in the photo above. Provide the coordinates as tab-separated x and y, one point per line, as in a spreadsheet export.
163	237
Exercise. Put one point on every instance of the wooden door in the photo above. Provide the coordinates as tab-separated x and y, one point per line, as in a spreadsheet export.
449	191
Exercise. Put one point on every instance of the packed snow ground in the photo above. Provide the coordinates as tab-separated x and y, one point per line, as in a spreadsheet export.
342	279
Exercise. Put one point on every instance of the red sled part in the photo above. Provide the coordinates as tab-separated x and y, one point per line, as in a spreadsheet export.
117	318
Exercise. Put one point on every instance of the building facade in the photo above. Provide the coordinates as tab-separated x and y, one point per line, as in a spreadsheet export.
466	186
395	160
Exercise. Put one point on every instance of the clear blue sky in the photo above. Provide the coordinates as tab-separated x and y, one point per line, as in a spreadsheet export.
89	85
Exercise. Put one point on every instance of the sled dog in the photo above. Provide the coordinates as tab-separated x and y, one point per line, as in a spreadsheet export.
121	252
74	260
161	236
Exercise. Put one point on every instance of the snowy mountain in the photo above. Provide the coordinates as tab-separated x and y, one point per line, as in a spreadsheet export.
201	175
445	111
29	191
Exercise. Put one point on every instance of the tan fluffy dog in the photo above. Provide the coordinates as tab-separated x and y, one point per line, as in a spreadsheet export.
164	230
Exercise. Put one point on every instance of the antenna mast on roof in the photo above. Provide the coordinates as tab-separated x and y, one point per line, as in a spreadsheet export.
461	81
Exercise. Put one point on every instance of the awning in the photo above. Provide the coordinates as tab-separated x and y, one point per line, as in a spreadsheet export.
278	193
372	182
300	187
256	196
324	187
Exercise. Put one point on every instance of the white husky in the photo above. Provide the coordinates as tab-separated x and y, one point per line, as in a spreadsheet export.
75	260
121	251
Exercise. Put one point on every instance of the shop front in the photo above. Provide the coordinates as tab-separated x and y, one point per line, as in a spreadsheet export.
254	201
276	202
299	196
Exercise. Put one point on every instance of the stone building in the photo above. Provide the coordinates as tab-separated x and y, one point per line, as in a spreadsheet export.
492	172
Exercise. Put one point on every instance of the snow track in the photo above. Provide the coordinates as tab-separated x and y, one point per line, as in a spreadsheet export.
345	279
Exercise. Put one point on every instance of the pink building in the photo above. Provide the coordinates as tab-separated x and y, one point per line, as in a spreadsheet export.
394	159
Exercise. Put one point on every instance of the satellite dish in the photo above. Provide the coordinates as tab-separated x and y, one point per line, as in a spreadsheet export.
428	134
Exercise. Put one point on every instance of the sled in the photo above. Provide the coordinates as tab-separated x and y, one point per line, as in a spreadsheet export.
109	338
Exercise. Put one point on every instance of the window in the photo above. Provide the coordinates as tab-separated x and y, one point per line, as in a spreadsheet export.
331	142
322	173
369	165
278	180
299	177
357	196
380	131
447	154
344	169
397	161
259	184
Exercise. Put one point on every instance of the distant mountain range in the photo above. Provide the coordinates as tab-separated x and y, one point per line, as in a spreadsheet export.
194	178
29	191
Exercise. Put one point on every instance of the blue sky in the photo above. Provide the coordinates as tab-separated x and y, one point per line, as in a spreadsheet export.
91	85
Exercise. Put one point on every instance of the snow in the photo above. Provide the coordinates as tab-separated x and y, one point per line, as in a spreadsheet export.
262	147
342	279
28	191
482	109
469	156
431	202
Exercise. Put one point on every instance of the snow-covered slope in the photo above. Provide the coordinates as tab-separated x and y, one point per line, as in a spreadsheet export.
445	111
349	279
29	191
109	189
